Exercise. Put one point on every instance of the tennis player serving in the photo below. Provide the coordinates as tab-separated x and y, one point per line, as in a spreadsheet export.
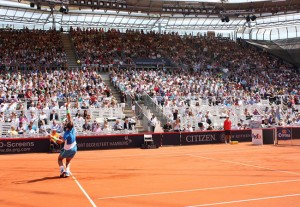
70	147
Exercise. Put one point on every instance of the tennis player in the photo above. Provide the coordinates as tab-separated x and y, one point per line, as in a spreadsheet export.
227	128
70	147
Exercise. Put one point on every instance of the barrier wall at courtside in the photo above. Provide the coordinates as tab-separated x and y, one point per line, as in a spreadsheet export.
121	141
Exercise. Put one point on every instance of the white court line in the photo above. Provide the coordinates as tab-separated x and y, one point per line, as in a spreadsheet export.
84	192
199	189
240	163
245	200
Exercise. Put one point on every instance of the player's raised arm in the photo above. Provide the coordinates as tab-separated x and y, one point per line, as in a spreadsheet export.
69	117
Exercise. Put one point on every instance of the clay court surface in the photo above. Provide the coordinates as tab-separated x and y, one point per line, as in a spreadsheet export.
203	175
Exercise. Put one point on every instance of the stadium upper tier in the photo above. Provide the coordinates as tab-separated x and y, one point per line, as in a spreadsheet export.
31	49
227	16
189	52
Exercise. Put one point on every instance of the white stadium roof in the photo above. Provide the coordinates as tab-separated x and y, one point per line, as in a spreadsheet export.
182	16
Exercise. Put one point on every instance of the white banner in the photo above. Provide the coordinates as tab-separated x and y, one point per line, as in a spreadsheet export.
257	137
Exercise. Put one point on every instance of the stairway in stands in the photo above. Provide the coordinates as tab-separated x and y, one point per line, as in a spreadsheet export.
116	93
69	49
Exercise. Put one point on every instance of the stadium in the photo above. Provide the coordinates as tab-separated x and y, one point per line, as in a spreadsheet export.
170	103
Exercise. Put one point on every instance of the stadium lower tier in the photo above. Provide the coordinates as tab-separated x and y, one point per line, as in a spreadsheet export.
121	141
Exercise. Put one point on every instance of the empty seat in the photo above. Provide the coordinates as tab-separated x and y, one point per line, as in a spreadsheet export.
148	141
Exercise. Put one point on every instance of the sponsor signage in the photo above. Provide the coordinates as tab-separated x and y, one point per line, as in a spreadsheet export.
209	137
241	135
149	61
110	141
295	133
170	138
27	145
157	139
257	137
119	141
268	135
201	137
284	133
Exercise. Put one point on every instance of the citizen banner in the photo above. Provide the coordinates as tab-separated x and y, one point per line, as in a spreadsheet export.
203	137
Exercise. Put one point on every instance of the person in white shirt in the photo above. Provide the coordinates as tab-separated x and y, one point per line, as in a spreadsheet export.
152	123
21	129
189	128
55	106
14	120
2	117
32	117
176	125
31	128
3	107
32	107
43	116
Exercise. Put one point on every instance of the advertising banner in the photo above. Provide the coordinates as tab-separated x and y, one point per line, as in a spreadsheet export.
170	138
149	61
157	139
24	145
284	133
257	136
116	141
203	137
295	135
268	135
241	135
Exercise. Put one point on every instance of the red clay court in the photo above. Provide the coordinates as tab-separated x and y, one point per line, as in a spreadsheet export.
187	176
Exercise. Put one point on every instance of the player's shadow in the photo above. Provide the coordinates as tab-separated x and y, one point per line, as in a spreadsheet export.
37	180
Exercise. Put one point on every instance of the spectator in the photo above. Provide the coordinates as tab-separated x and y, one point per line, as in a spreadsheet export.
21	129
127	124
122	100
86	126
43	116
31	127
32	117
152	123
94	124
56	126
167	127
117	126
97	128
189	128
53	115
13	131
176	125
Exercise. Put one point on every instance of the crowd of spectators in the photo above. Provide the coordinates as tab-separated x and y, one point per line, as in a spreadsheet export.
39	97
210	70
43	89
31	49
216	71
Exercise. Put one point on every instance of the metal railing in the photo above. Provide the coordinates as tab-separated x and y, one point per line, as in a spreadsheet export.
141	116
156	109
73	47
